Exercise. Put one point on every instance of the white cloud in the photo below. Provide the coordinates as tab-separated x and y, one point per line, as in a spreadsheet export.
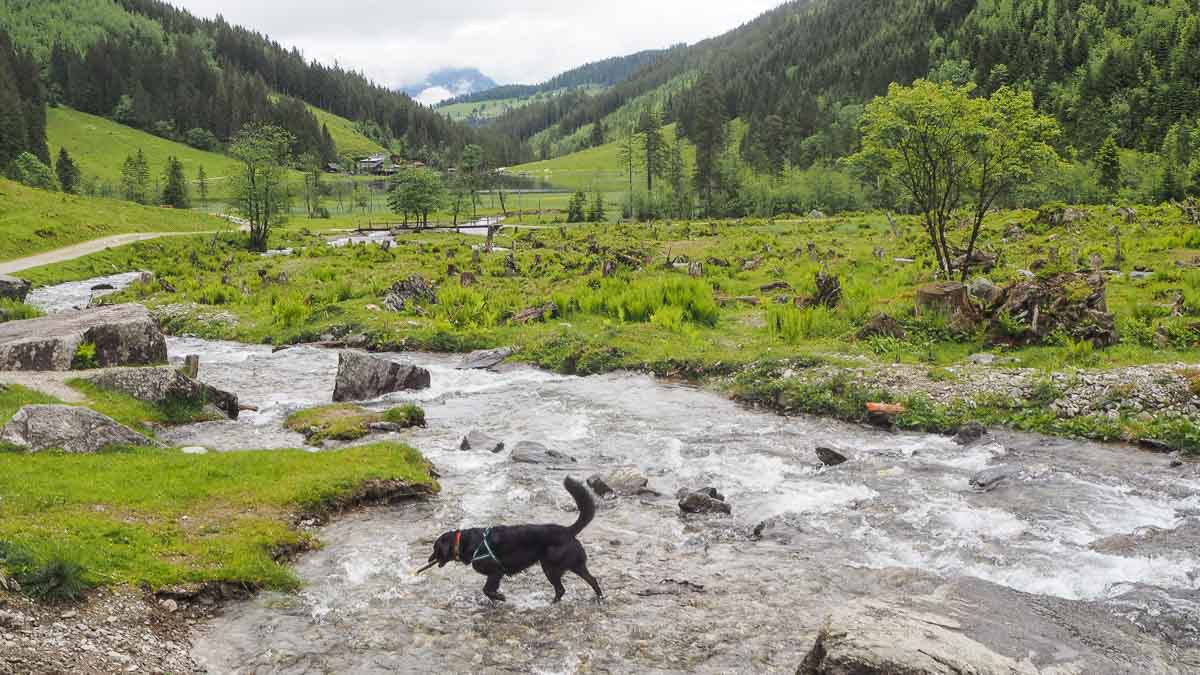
519	41
434	95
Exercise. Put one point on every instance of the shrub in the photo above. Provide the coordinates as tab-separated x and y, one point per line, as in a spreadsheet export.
59	579
407	415
639	301
85	357
289	311
465	308
1080	352
793	325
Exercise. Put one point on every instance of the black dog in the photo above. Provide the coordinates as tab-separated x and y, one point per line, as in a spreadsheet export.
510	550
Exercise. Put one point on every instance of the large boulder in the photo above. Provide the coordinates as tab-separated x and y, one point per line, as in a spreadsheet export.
1070	304
163	385
124	335
871	638
528	452
12	288
68	428
362	377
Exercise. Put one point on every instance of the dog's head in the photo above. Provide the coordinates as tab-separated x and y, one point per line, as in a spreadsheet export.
444	549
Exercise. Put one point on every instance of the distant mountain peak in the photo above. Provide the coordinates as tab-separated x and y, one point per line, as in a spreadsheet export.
449	83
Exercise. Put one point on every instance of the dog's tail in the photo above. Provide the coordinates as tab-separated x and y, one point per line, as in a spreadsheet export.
583	499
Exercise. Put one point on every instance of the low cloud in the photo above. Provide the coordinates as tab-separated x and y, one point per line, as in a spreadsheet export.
521	41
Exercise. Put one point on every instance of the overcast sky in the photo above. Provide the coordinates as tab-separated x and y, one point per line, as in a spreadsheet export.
397	42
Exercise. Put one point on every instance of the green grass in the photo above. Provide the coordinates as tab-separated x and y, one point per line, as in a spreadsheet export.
186	518
336	422
99	147
11	310
141	416
13	397
349	140
595	169
35	221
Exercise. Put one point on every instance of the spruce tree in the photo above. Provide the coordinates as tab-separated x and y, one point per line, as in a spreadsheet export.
202	184
575	211
175	193
1108	163
654	156
135	178
596	214
68	172
597	134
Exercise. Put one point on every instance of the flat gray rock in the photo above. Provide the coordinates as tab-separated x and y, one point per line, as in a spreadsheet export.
362	377
528	452
477	440
124	335
163	385
75	430
485	359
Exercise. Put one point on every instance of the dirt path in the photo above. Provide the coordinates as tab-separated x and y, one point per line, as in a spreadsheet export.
51	383
94	246
80	250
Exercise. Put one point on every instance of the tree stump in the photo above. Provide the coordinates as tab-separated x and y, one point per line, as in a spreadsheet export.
948	297
191	365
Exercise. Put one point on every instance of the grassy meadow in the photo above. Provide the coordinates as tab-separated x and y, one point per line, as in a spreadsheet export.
99	147
191	518
35	221
346	136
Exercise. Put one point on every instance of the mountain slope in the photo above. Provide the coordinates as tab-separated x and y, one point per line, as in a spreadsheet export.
449	83
99	147
1125	67
151	65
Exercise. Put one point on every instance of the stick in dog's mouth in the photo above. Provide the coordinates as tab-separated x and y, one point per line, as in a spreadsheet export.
425	568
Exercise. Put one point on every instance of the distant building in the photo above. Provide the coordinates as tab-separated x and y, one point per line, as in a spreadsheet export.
377	164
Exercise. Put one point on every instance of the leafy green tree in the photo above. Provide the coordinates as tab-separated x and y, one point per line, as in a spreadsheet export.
949	151
135	178
575	210
67	171
310	163
27	169
201	139
175	190
125	112
259	188
1108	163
417	192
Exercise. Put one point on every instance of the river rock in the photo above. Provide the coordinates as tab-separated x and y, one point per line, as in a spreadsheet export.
993	476
969	433
625	481
830	457
165	384
71	429
704	500
485	359
124	335
12	288
871	638
477	440
528	452
362	377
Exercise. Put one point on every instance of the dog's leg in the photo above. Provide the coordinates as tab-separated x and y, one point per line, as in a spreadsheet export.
492	587
555	575
584	574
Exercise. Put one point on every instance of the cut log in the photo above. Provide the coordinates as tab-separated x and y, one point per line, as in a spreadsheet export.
948	297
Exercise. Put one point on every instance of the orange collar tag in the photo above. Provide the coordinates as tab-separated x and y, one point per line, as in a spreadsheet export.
457	544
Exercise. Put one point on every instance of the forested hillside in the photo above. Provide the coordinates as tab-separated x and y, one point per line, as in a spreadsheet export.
604	73
22	107
150	65
799	74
